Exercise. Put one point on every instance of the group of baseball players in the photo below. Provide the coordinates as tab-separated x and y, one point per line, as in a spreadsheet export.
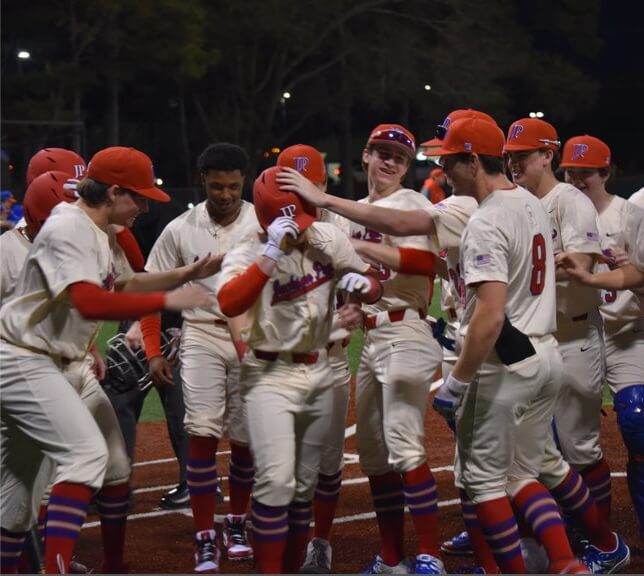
271	292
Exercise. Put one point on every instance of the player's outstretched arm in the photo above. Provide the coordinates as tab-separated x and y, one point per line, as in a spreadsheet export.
404	260
622	278
385	220
583	263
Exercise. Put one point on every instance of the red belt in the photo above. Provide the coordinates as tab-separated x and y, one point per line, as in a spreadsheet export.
394	316
296	357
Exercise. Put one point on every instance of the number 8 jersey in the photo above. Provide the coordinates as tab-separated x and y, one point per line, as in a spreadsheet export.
508	240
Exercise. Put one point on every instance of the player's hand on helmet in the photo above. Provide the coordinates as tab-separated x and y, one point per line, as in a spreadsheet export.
449	397
189	297
350	316
292	181
161	371
277	234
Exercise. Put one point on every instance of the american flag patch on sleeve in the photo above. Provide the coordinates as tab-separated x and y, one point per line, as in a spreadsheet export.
592	236
482	260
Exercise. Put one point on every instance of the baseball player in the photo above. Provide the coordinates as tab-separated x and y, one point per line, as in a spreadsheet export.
508	371
586	161
532	146
287	288
50	322
309	162
398	361
209	360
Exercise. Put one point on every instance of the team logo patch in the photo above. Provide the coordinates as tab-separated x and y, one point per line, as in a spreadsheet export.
516	131
482	260
468	146
368	236
296	287
579	151
592	236
289	210
301	162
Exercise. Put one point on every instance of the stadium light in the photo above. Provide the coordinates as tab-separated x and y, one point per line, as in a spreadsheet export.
24	55
428	87
159	181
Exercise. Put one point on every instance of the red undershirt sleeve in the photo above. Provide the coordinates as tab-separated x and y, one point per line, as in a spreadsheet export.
151	331
130	246
415	261
95	303
239	294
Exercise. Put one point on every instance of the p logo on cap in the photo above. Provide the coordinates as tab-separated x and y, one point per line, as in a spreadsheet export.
585	152
306	160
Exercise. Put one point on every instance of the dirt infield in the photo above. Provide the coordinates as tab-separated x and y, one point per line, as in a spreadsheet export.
161	542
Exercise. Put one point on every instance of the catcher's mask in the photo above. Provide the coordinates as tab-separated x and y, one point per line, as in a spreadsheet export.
128	369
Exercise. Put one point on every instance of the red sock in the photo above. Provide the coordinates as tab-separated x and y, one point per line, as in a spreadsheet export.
389	503
482	551
270	532
240	478
422	500
65	515
535	504
327	494
299	520
597	477
575	500
201	474
111	504
500	528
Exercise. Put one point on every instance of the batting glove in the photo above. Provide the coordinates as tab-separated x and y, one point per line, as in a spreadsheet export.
277	232
449	397
354	282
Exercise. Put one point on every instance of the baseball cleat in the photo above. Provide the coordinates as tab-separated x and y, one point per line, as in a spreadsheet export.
428	564
378	566
176	498
599	562
459	545
207	555
318	557
235	540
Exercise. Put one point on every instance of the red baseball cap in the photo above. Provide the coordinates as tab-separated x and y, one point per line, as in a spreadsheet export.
472	136
395	135
271	202
585	152
55	159
126	167
45	192
306	160
442	129
531	134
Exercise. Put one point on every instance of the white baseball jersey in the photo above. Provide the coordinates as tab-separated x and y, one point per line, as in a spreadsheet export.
450	218
294	311
69	248
14	248
635	228
574	229
400	290
194	235
637	198
618	306
508	239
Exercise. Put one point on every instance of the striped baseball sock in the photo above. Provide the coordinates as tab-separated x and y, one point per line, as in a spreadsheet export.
422	500
270	533
535	504
597	477
111	505
299	520
240	478
66	513
482	551
11	546
389	503
575	500
502	534
201	475
325	502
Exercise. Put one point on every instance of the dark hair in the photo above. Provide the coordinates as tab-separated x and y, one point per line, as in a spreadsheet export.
556	158
492	164
223	156
92	192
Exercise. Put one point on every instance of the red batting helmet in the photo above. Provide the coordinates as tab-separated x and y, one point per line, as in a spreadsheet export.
45	192
58	159
271	202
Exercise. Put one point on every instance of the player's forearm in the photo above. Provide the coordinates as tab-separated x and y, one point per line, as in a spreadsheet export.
239	294
386	220
131	248
388	256
151	331
482	333
157	281
95	303
584	261
623	278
